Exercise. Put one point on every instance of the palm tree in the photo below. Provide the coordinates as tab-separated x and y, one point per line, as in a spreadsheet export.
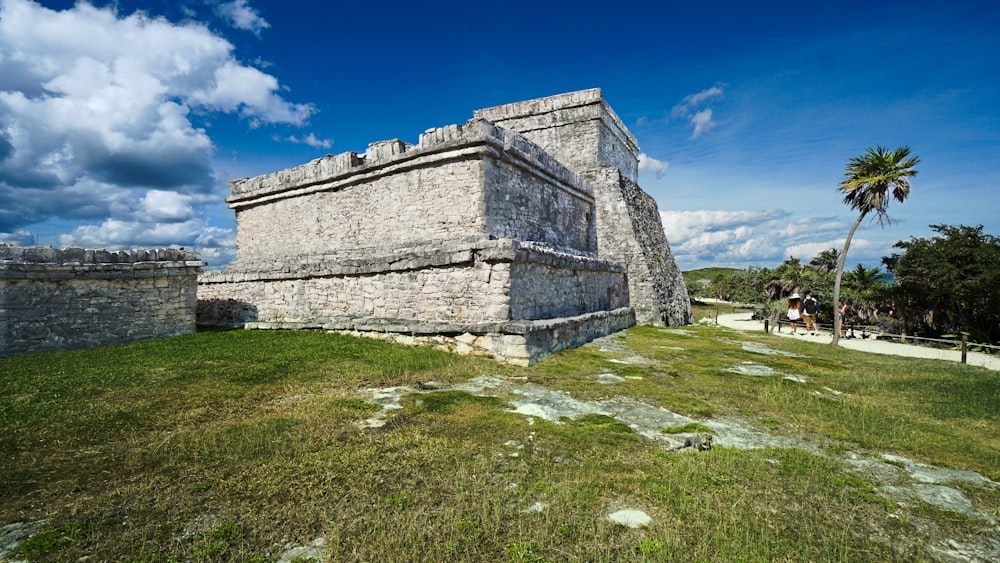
825	261
866	186
865	280
861	288
790	274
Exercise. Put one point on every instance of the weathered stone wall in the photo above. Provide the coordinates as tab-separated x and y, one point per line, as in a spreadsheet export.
630	232
463	282
75	298
520	343
481	236
579	129
459	181
510	300
582	131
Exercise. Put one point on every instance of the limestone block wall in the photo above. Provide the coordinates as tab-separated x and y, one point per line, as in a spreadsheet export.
520	343
522	205
461	284
584	133
488	236
630	232
513	301
75	298
579	129
462	180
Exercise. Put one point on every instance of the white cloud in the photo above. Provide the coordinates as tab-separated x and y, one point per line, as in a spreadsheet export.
686	224
310	140
701	122
158	205
236	87
216	246
242	16
650	165
18	238
694	100
699	119
96	119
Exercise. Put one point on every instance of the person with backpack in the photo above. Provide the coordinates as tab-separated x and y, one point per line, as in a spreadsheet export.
882	313
810	312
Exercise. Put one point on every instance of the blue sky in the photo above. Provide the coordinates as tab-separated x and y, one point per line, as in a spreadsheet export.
122	122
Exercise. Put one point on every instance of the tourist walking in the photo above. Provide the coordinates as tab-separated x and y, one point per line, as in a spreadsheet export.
841	313
883	313
810	312
794	311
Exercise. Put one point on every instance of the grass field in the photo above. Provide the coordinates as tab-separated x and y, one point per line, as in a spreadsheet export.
240	445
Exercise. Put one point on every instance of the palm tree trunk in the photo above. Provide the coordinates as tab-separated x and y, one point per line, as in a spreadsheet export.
840	274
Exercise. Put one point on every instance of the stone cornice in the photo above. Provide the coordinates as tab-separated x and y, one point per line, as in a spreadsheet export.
431	255
559	103
39	262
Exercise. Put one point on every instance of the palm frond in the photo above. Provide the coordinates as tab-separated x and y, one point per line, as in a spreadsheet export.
871	178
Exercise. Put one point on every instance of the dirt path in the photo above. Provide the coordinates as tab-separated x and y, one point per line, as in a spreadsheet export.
742	321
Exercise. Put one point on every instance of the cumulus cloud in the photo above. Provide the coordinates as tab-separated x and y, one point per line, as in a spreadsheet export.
84	200
742	238
117	233
139	218
96	114
649	165
687	224
234	87
19	238
691	109
242	16
216	245
159	205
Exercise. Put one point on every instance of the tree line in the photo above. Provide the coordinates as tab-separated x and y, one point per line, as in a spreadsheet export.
947	284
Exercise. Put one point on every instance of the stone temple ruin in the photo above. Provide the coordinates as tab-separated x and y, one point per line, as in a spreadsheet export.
516	234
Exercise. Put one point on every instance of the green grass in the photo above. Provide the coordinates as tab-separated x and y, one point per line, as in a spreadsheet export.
230	445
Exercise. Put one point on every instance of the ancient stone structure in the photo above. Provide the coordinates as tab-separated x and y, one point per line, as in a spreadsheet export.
478	239
74	298
581	131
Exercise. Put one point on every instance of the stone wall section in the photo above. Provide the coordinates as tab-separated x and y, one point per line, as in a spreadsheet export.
501	298
518	343
582	131
75	298
459	181
579	129
631	231
464	283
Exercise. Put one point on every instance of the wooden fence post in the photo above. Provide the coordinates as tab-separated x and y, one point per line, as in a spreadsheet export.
965	346
766	323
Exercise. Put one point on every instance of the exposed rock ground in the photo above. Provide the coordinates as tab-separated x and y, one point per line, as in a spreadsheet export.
902	480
